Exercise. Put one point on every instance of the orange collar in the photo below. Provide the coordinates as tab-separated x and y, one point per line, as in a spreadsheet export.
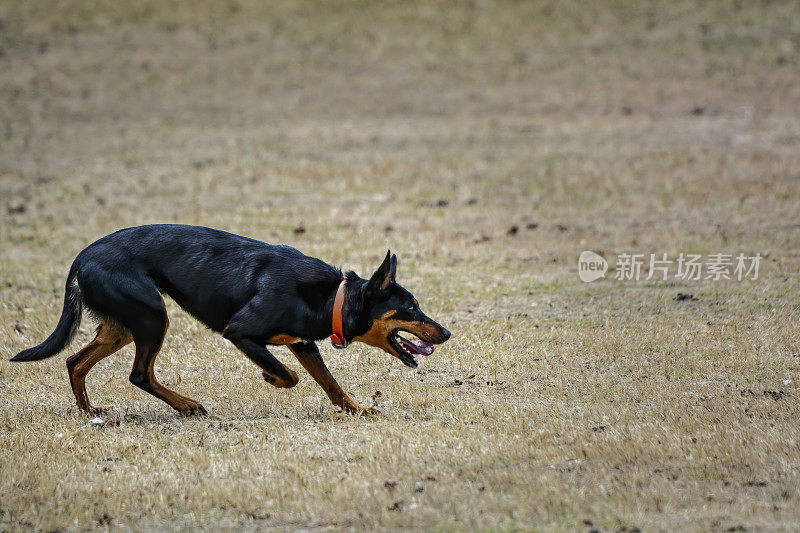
337	339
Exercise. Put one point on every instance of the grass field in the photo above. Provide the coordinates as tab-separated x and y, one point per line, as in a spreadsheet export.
488	144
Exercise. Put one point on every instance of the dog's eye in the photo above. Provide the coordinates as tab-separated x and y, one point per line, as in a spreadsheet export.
412	308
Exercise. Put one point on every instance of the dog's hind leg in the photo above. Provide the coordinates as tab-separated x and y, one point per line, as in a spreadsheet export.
109	339
308	355
130	298
148	335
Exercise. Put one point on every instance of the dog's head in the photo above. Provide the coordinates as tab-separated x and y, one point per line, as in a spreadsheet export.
392	320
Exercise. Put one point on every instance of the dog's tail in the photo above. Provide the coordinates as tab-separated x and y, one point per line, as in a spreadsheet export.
66	328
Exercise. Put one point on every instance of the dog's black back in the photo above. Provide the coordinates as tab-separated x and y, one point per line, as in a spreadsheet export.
210	273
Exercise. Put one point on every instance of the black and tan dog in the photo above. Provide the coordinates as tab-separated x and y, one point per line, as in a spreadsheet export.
255	294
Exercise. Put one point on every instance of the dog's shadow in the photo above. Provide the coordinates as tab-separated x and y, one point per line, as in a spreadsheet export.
225	420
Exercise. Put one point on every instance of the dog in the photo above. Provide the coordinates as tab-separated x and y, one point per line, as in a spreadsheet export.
255	294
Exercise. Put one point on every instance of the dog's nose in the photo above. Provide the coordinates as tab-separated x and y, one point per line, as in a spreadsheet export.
445	334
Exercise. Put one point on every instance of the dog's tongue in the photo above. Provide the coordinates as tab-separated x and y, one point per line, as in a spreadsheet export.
418	346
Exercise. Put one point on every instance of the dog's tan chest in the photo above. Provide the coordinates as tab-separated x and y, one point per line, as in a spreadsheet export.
282	339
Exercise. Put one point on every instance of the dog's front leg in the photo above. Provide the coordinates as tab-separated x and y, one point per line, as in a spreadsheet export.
248	324
274	372
308	355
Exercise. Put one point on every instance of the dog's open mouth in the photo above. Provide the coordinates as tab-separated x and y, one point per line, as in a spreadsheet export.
409	348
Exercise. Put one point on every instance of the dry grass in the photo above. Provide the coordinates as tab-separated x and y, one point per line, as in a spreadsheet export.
612	126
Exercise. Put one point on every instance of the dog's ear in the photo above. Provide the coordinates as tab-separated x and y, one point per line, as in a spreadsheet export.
385	274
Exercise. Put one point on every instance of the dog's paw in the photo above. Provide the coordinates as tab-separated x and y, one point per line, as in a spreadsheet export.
282	383
98	411
193	409
360	410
